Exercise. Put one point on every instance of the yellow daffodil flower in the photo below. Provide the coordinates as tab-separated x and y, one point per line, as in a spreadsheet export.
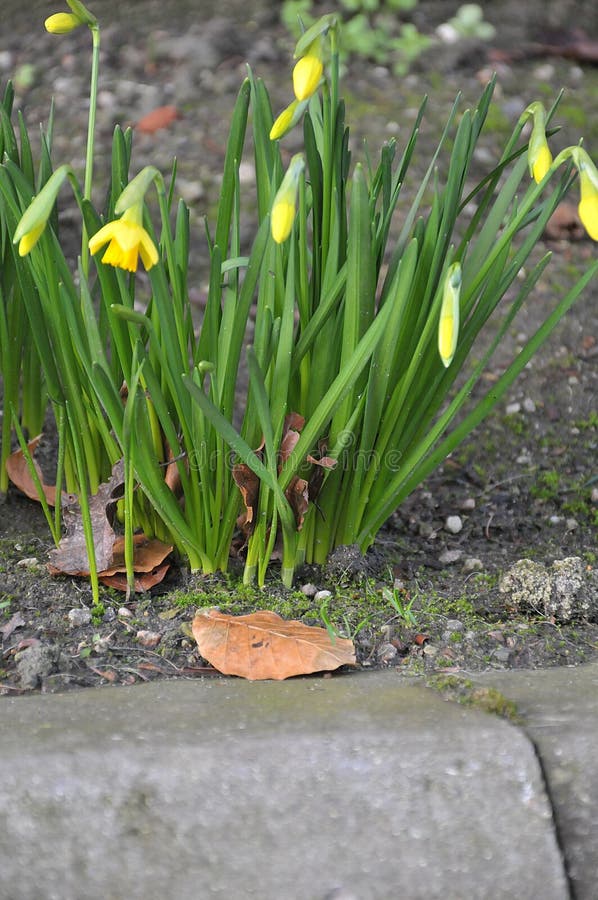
283	208
62	23
128	240
448	325
307	75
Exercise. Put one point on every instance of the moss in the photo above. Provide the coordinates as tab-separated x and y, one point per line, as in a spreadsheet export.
465	692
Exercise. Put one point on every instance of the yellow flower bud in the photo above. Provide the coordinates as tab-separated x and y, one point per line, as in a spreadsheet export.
62	23
283	216
30	239
541	162
306	76
539	157
448	326
283	208
588	205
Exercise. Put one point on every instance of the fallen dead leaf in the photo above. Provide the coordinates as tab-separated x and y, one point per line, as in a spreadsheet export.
70	557
16	621
18	472
262	645
158	118
142	582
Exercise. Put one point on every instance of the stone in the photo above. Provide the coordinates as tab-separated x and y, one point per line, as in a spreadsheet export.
78	617
35	663
310	590
527	584
149	639
473	564
321	596
569	600
363	784
449	557
454	524
559	707
564	592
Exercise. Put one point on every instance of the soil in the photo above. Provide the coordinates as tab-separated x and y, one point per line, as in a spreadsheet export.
525	486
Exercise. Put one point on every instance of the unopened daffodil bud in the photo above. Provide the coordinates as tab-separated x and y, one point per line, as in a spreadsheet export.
448	325
62	23
287	119
539	156
127	240
588	186
283	208
33	221
307	74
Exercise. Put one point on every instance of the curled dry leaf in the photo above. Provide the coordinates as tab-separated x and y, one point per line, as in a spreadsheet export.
262	645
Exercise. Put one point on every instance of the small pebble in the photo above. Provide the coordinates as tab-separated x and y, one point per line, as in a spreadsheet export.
124	612
512	409
78	617
320	596
594	495
467	505
501	654
30	562
149	639
448	557
310	590
528	405
571	524
453	625
454	524
473	564
555	520
387	653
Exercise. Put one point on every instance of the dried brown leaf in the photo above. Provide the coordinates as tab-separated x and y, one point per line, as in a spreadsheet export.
18	472
249	485
16	621
70	557
262	645
158	118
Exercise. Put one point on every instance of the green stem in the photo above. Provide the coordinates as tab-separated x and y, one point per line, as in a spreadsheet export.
91	123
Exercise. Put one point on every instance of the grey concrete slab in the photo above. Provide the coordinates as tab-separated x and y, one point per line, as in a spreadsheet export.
353	787
560	711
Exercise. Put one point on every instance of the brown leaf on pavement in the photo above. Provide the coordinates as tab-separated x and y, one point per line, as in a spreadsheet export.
262	645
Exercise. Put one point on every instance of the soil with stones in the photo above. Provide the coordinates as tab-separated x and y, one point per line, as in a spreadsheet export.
492	562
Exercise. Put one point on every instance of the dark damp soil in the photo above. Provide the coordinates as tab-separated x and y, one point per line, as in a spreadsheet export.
524	486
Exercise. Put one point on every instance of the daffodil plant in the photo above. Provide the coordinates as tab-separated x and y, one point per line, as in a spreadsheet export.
365	307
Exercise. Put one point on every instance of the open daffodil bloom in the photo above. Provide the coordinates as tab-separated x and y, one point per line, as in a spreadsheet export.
128	240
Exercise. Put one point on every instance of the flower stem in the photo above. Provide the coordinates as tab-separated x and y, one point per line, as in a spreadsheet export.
91	123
